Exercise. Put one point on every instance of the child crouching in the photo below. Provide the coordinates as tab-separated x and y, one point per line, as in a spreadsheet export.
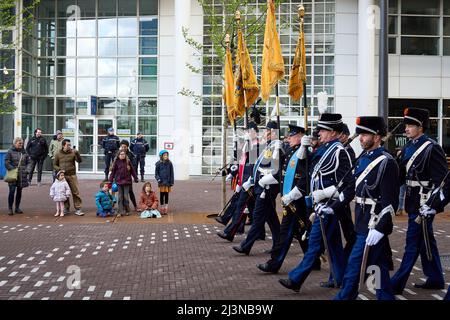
148	202
104	201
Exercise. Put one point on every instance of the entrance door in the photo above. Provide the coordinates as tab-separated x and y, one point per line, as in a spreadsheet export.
90	133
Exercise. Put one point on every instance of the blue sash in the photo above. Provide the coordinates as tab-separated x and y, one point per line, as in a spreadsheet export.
290	174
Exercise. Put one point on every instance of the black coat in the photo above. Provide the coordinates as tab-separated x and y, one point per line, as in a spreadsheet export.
164	173
37	148
12	159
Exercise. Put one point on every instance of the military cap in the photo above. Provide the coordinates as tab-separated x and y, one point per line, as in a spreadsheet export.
330	122
372	125
416	116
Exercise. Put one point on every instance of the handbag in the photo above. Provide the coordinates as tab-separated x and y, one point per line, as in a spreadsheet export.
13	174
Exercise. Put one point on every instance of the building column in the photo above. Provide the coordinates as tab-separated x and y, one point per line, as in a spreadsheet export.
180	156
18	39
368	16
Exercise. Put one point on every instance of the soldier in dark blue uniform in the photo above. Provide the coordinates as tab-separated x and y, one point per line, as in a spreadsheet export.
422	167
265	189
140	147
228	210
377	187
110	145
329	165
245	197
295	220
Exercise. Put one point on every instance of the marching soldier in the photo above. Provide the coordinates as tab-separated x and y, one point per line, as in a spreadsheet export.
423	167
232	170
244	196
344	139
329	164
265	189
110	145
140	147
295	220
376	201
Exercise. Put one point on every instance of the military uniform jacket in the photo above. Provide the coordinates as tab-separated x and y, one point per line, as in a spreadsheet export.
300	177
351	153
246	169
423	175
380	186
110	144
266	162
139	146
330	170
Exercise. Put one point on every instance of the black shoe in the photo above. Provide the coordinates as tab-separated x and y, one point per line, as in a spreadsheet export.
428	286
142	178
266	268
224	236
327	284
219	220
18	210
240	250
287	283
10	212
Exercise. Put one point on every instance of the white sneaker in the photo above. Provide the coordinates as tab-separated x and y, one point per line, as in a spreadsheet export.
79	213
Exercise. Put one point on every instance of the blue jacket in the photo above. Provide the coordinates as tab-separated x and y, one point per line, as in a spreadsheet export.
139	146
104	201
110	144
164	173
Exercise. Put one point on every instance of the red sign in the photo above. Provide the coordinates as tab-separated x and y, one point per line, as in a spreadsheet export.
168	145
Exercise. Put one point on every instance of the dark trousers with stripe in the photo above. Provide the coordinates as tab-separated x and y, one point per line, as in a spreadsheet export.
245	200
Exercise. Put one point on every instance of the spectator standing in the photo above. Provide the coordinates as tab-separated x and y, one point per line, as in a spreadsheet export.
55	147
37	149
65	160
130	155
17	158
60	192
165	177
111	145
122	173
140	147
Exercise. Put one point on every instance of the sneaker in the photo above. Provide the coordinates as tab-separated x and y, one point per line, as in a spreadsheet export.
79	213
66	211
10	212
18	210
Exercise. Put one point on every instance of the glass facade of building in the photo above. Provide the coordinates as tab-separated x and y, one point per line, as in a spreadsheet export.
104	51
320	37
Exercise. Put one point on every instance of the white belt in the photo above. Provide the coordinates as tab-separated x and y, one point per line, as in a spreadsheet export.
413	183
366	201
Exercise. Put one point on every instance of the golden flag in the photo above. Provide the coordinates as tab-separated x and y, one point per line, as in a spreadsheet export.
244	78
272	60
298	71
228	95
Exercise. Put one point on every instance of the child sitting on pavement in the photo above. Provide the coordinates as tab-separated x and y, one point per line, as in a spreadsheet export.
104	201
148	202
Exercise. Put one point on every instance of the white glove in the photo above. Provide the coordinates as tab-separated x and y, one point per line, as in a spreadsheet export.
323	209
246	136
427	211
373	237
306	140
292	195
326	193
247	184
277	145
234	168
267	179
229	177
238	188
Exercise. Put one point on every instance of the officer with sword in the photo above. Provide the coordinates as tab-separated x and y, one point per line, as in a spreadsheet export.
423	167
377	187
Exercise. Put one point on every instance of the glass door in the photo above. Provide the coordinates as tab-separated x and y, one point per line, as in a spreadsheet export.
89	135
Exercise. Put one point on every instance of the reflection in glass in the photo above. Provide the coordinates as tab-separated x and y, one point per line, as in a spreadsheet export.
147	106
126	107
46	86
86	47
147	125
127	47
66	67
147	85
86	28
106	106
103	125
86	127
65	86
148	45
107	67
127	123
65	106
86	87
106	8
420	45
81	106
126	86
127	8
45	106
107	47
148	26
65	123
87	8
127	66
66	47
107	27
127	27
87	163
46	67
46	124
85	67
148	7
107	86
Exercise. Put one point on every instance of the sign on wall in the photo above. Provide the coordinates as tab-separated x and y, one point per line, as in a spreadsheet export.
168	145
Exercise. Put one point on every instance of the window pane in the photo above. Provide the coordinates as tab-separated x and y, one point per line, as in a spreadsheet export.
147	85
45	106
27	105
149	7
392	45
127	27
420	26
393	7
65	123
6	131
446	7
147	106
106	106
65	85
106	8
148	45
66	67
420	7
127	66
127	123
86	67
86	87
86	28
392	25
147	125
446	26
87	8
107	47
46	28
46	67
46	124
46	9
45	86
68	28
86	47
65	8
65	106
107	67
148	26
152	142
107	27
66	47
126	107
127	86
46	46
127	47
446	136
420	46
127	8
446	46
107	86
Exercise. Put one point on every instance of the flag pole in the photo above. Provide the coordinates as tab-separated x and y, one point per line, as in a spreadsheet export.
237	17
224	140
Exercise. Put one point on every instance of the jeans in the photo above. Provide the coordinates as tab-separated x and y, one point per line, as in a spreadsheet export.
12	190
33	162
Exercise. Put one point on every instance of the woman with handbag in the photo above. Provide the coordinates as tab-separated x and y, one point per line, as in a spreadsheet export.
16	163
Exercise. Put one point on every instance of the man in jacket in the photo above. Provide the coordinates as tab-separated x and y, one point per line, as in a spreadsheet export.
55	147
37	149
111	145
140	147
65	160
